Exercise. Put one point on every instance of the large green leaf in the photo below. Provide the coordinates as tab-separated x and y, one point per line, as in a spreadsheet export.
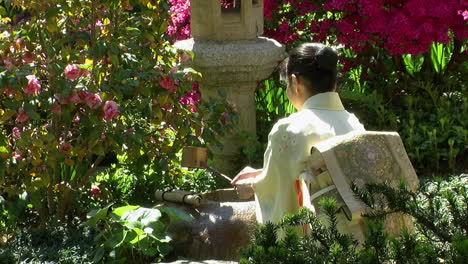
140	235
98	255
142	217
124	209
116	239
176	215
97	214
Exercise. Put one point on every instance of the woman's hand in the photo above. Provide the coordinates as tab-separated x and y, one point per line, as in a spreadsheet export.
243	182
246	173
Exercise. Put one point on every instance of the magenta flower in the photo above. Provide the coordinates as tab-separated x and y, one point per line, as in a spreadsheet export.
22	116
111	110
72	72
65	147
463	13
34	86
193	98
167	83
269	6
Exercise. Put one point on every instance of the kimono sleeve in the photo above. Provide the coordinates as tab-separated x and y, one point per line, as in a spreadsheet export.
275	187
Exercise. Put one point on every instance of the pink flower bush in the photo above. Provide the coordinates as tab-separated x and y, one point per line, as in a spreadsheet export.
72	72
111	110
34	86
399	26
167	83
22	116
179	26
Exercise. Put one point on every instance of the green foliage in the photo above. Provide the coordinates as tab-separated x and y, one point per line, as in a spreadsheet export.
439	210
61	244
122	186
82	81
132	229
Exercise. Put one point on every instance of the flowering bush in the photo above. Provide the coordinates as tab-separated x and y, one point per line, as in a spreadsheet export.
402	63
83	81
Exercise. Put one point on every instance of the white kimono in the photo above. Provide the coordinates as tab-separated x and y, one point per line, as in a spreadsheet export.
289	144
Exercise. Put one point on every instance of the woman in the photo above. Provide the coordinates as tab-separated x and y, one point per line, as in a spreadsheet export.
310	73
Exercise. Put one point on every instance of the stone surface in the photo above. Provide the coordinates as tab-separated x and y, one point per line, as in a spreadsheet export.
222	225
209	21
234	61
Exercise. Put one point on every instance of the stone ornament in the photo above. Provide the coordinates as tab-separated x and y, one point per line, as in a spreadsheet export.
210	21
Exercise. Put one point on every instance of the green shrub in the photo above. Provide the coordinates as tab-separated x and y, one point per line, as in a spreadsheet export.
82	81
439	209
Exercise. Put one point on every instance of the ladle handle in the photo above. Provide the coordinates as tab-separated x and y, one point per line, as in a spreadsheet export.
219	174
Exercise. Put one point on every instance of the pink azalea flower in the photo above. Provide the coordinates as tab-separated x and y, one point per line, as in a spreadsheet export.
111	110
16	132
65	147
72	72
22	116
167	83
56	109
34	86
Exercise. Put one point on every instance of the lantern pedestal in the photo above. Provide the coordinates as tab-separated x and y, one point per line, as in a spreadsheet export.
234	67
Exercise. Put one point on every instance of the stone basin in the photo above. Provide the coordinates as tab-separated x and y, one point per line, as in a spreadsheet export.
222	225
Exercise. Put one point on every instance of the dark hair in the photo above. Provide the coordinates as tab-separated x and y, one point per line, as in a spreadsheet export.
315	63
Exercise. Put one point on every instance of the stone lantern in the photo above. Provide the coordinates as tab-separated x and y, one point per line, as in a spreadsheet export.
231	57
210	21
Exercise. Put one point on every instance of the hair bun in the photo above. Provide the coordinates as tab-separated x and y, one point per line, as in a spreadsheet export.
327	58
